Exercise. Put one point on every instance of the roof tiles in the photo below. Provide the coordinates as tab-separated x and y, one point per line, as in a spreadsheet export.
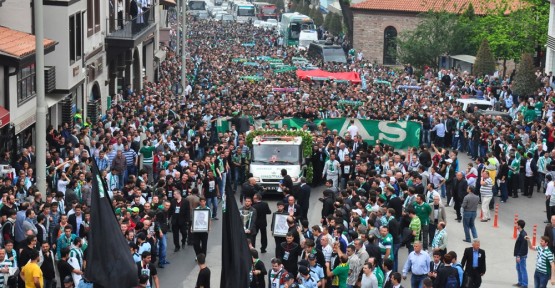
19	44
420	6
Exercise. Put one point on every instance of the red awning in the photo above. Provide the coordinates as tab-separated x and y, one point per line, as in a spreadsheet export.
353	77
4	117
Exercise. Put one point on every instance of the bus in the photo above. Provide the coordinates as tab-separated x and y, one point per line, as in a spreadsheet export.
265	11
243	12
195	6
291	26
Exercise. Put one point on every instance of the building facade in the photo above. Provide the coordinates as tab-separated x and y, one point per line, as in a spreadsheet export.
550	49
378	23
93	50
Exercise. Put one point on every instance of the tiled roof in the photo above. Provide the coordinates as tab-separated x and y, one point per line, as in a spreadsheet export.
419	6
19	44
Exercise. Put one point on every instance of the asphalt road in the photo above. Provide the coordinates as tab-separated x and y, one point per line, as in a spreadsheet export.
497	242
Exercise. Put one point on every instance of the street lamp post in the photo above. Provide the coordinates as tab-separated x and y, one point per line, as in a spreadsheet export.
184	45
40	98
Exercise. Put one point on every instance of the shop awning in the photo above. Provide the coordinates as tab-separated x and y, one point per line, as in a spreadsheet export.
52	98
167	2
4	117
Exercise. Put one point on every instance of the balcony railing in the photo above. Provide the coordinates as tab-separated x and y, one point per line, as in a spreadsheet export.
131	27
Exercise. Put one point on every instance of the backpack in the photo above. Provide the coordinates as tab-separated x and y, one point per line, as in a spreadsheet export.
453	279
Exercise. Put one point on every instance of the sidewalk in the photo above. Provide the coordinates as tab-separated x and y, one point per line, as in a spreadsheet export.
498	243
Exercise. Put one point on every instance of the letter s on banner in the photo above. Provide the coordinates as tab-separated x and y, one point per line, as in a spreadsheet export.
389	132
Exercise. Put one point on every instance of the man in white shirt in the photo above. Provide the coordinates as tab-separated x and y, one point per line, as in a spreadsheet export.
353	129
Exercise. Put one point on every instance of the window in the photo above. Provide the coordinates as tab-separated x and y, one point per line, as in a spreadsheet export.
26	84
75	37
93	17
390	46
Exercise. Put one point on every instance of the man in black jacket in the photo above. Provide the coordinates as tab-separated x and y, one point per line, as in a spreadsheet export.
327	207
473	272
287	181
262	210
460	185
520	253
303	198
180	212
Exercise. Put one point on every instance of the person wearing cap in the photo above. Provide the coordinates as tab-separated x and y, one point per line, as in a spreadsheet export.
306	279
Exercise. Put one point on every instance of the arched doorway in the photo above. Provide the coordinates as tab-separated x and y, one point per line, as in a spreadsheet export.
390	46
136	70
95	92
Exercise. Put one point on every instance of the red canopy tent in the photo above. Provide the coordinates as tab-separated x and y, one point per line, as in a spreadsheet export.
352	77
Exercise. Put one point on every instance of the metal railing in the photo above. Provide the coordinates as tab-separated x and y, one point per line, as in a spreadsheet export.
130	27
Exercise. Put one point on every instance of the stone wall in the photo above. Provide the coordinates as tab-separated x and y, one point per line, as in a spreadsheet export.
369	29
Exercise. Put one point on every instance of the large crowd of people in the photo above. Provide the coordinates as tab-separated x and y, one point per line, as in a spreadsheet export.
162	156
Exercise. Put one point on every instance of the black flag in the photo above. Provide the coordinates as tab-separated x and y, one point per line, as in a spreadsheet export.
109	261
236	257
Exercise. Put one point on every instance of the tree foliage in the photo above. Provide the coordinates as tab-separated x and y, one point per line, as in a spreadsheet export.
347	16
439	33
485	62
511	28
327	21
336	24
318	16
525	83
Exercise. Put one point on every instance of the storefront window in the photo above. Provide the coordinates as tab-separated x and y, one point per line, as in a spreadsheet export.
26	84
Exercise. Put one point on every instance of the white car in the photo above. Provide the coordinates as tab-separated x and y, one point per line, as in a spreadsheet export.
227	18
218	15
258	23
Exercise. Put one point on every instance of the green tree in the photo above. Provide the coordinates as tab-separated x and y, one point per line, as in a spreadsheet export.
484	63
336	24
347	14
327	21
305	10
318	17
513	28
525	83
438	33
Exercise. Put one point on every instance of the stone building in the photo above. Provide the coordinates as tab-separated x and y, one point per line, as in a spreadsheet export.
377	23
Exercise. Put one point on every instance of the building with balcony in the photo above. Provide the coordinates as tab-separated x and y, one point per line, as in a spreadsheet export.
18	74
93	50
132	45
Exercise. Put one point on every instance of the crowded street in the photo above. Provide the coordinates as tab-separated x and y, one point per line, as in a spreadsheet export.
279	154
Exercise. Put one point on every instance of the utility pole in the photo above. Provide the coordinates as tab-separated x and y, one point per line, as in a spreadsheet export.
184	46
40	98
177	41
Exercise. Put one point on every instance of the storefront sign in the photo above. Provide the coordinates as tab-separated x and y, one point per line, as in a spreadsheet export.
26	123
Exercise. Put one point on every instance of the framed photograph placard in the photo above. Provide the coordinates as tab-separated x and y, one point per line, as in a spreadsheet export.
201	220
280	225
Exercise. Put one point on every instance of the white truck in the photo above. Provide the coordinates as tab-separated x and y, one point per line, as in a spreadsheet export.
306	37
270	154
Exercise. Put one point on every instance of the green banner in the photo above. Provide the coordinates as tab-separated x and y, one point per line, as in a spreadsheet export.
400	134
